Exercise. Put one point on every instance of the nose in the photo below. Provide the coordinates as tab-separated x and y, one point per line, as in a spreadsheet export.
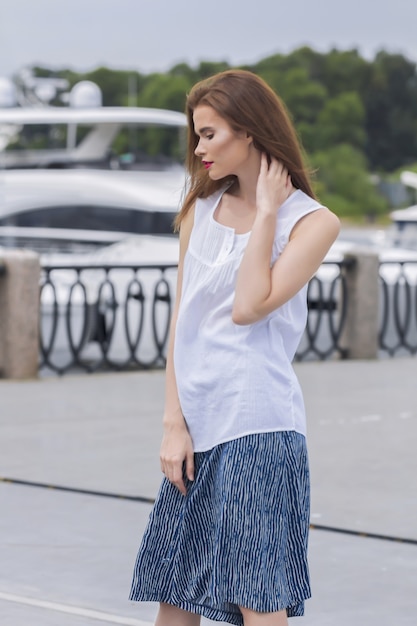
199	151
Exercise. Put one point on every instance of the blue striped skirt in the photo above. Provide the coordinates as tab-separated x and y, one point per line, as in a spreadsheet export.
239	536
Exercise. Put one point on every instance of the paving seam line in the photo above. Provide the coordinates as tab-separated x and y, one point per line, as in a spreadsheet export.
147	500
86	492
73	610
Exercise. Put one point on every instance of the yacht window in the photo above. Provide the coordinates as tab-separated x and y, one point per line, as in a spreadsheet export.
91	217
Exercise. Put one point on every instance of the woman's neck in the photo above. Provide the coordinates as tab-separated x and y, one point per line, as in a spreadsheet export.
246	181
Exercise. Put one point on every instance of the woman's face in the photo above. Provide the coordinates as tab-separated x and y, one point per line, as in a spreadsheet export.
223	151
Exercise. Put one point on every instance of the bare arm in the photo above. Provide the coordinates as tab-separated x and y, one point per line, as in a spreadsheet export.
176	446
260	289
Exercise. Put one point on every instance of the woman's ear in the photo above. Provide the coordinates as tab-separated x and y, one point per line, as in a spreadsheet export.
243	134
249	138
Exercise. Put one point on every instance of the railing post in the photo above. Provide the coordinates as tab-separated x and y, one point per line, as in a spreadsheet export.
360	334
19	314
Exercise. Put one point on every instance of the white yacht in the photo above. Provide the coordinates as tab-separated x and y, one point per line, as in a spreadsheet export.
84	189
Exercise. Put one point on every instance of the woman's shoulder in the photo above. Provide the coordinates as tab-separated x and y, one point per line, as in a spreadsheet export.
297	203
297	206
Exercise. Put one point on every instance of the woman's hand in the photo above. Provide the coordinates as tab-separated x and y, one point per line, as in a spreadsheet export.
177	448
273	187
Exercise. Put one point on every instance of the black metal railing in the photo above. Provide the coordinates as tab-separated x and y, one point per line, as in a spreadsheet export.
105	317
327	309
398	307
101	317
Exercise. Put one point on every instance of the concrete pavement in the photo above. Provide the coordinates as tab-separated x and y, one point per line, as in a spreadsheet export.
66	557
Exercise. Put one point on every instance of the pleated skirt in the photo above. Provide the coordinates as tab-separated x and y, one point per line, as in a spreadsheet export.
239	536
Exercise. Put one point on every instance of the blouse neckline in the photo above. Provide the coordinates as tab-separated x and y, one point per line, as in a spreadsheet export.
230	229
213	220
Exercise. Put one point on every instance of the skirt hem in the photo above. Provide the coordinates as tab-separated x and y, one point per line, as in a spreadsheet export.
215	614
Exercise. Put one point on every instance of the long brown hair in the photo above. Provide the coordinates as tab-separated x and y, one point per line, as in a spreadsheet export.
247	103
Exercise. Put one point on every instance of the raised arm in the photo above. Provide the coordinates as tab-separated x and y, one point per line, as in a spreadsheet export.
176	446
260	289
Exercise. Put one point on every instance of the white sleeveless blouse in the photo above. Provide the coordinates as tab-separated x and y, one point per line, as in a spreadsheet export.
236	380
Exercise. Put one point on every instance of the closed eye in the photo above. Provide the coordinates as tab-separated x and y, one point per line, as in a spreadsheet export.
206	131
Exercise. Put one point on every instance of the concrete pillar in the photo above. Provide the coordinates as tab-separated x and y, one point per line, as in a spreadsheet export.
360	335
19	314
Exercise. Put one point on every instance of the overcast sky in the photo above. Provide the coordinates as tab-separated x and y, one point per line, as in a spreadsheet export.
152	35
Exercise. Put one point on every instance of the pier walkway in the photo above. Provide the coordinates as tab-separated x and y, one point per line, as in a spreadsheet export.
67	553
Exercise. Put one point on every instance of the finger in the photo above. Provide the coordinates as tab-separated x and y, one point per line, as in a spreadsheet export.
180	485
282	169
189	463
264	163
176	478
271	162
277	168
178	482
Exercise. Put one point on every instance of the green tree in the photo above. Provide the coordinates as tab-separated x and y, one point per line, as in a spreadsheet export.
208	68
272	65
305	97
182	69
165	91
391	112
343	183
342	120
341	71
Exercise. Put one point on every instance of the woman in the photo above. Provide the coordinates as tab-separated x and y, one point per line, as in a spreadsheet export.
227	537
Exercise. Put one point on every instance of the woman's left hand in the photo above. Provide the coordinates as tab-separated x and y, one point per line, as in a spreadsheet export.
274	185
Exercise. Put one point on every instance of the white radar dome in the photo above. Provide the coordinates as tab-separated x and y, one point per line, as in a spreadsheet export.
85	94
7	93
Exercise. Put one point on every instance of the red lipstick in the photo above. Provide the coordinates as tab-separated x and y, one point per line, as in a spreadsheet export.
207	164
